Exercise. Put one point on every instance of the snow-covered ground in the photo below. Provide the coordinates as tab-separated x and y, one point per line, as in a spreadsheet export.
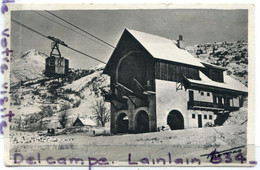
188	143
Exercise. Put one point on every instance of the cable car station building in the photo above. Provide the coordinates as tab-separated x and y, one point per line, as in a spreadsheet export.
155	83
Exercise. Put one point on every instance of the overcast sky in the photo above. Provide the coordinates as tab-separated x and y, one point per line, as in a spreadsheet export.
196	26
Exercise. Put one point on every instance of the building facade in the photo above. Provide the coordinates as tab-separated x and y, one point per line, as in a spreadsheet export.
155	83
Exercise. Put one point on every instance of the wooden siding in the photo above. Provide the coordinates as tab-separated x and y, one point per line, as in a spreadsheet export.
174	71
214	72
216	75
134	66
127	44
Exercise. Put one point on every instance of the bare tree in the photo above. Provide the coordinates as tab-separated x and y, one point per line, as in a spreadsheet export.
63	118
101	113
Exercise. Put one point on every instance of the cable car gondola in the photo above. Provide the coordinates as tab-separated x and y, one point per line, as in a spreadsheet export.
55	65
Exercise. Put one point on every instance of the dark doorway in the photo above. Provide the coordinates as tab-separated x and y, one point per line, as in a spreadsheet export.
191	95
199	121
122	123
142	122
175	120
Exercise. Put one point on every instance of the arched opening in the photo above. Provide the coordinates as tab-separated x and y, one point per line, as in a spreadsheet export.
122	123
175	120
142	122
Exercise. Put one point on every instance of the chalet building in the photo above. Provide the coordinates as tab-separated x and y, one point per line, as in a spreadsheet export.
83	122
155	83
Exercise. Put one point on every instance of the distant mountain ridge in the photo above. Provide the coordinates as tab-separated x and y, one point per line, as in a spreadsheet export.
27	66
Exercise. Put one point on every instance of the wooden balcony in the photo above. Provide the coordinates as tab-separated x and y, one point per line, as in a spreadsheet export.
209	106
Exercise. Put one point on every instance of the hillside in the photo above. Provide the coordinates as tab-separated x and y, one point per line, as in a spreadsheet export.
40	100
231	55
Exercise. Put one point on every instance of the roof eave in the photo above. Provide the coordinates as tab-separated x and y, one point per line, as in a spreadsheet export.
213	66
106	71
193	84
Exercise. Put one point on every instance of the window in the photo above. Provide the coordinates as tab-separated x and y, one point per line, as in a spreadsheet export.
193	116
214	99
210	117
231	102
202	93
216	76
208	94
205	116
60	62
191	95
219	100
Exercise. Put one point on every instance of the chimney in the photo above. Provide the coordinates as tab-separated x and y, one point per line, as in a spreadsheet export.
180	42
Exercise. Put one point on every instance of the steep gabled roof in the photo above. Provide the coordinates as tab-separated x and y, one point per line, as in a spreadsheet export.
165	49
85	121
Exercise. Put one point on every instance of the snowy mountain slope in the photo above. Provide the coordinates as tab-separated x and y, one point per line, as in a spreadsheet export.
78	95
26	66
90	89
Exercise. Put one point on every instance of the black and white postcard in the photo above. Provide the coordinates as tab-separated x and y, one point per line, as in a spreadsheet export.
130	85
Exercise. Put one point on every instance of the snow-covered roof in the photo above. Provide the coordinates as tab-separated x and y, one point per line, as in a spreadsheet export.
213	66
87	121
229	83
163	48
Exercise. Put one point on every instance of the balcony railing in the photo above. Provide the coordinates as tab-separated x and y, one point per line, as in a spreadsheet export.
201	105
